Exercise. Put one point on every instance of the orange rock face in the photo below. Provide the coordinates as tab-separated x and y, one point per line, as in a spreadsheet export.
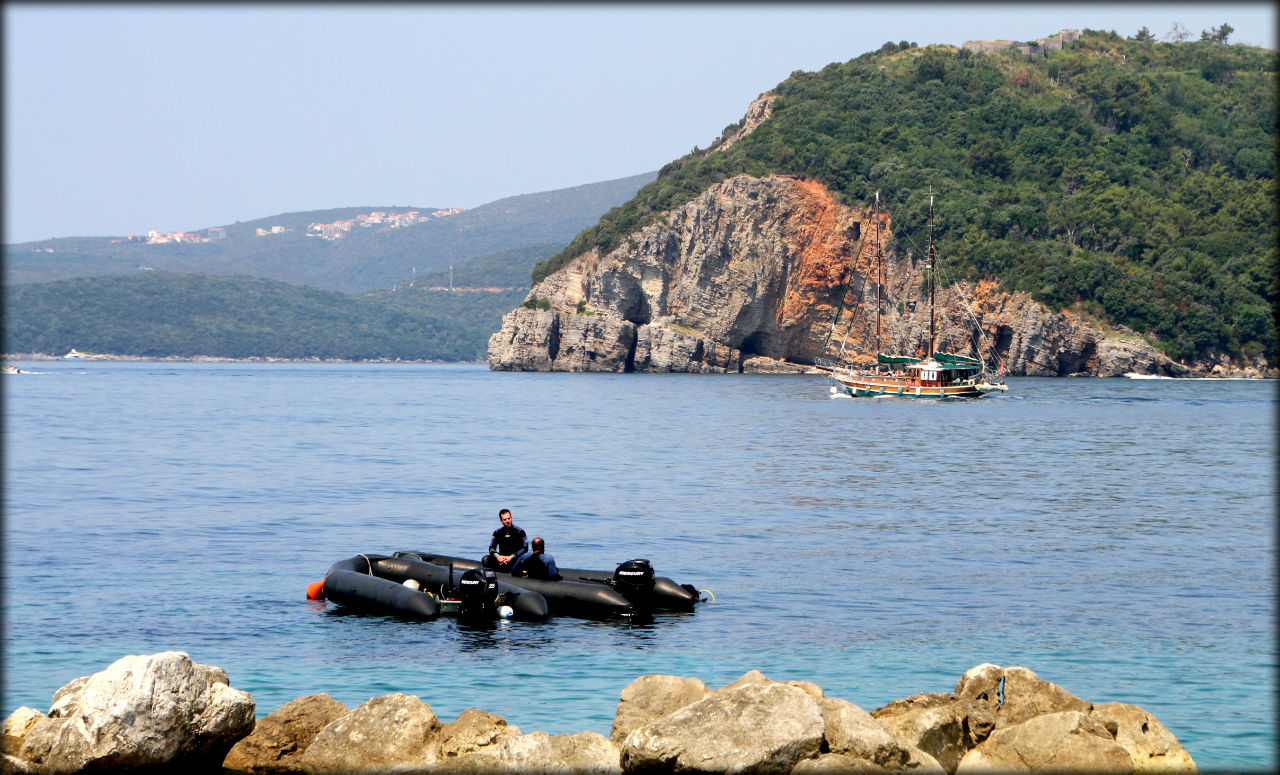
756	268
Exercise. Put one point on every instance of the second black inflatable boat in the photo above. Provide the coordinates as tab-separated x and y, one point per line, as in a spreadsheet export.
633	581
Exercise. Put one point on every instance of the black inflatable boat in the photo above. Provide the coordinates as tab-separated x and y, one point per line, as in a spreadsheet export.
409	587
424	585
634	581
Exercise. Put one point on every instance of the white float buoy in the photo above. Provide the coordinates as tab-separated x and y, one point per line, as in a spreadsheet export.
505	611
412	584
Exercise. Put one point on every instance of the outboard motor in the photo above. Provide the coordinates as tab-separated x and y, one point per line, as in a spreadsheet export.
634	580
478	590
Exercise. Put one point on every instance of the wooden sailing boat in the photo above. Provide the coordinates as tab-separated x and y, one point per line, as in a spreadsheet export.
937	375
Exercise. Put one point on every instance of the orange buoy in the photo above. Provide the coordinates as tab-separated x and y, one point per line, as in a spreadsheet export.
315	590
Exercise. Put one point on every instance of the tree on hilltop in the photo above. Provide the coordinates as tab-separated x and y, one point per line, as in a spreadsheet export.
1177	33
1217	35
1144	35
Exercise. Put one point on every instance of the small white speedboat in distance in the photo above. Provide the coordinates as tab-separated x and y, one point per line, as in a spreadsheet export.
74	355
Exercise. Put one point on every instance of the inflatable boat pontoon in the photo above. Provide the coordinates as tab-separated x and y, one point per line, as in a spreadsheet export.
410	587
633	580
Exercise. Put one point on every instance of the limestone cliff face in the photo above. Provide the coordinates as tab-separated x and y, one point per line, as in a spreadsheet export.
757	113
752	271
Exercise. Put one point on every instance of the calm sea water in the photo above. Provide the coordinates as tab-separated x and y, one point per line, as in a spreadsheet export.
1115	536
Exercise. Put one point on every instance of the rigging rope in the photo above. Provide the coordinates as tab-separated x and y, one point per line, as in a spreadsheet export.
982	333
946	283
857	252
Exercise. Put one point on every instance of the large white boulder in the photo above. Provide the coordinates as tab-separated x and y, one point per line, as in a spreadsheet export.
142	711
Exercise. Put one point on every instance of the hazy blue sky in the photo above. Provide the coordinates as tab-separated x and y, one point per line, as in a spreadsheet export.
121	119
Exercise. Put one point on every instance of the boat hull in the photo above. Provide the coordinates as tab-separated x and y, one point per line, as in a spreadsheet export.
665	595
564	597
873	388
376	583
363	592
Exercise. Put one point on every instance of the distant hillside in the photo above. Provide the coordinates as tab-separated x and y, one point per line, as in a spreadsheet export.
1128	180
161	314
365	258
504	269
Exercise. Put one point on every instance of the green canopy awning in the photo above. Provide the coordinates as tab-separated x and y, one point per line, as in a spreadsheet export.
951	359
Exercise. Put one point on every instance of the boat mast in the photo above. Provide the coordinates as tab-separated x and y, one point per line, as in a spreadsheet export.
930	268
875	213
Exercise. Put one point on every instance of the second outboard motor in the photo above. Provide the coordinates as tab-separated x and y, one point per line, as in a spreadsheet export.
478	590
634	580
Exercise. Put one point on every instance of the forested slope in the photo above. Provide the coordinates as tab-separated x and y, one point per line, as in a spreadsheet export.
162	314
1130	180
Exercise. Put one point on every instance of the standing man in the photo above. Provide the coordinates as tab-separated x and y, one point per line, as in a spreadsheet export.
508	543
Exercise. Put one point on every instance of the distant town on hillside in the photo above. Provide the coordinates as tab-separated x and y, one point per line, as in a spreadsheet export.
330	231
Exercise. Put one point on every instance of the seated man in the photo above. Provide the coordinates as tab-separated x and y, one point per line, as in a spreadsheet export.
506	546
537	564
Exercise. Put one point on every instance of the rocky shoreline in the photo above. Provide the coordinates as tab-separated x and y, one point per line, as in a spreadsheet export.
164	710
749	365
775	267
10	357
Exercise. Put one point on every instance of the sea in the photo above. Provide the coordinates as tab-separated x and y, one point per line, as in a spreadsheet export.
1115	536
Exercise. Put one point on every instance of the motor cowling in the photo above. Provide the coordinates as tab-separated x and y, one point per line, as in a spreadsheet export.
478	592
634	579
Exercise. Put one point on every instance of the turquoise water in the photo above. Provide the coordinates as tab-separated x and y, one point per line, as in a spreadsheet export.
1115	536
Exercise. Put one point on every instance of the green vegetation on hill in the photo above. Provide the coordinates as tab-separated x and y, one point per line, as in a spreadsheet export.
504	269
204	300
1129	179
364	259
161	314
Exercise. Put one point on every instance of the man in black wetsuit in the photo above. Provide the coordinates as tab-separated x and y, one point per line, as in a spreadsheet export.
537	564
508	543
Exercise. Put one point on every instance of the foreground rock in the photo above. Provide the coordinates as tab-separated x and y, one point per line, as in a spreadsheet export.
762	727
649	698
472	731
1152	747
584	753
277	741
859	740
396	730
142	711
1011	720
942	725
1065	741
165	711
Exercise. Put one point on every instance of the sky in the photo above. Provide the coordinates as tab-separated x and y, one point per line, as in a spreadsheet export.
120	119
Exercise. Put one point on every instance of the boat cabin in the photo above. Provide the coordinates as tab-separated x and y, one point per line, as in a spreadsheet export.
932	373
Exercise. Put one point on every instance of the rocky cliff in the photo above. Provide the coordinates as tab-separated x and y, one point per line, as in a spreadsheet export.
751	273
